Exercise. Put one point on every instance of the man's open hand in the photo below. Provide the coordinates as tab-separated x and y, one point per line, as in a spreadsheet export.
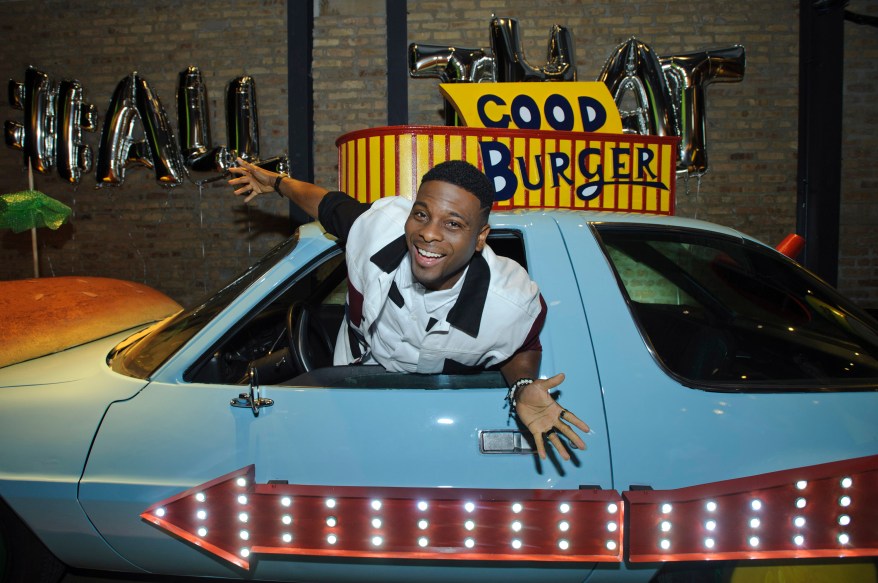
545	418
251	180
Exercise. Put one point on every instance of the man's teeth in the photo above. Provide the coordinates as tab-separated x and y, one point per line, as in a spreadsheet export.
427	254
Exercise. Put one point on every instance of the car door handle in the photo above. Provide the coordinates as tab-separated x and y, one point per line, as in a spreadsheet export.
252	400
503	441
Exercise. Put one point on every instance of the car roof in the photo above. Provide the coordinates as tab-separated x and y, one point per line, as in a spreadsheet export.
521	217
598	217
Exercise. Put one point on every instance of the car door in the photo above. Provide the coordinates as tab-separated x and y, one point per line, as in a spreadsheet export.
426	436
684	426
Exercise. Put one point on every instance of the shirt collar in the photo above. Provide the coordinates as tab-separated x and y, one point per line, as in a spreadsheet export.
390	256
466	314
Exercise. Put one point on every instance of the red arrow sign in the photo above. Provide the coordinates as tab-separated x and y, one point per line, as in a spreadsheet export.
826	510
233	517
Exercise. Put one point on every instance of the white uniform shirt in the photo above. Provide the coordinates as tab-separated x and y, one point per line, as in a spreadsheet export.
402	334
493	311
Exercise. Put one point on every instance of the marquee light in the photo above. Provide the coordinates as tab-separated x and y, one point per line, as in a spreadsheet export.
414	523
827	510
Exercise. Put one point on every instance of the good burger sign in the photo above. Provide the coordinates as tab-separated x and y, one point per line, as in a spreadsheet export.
548	145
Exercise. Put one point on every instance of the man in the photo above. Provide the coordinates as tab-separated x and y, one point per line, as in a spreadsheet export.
426	294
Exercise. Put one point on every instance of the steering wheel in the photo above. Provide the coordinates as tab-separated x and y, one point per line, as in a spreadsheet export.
302	327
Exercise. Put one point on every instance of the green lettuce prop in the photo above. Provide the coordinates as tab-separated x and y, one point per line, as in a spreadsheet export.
28	210
31	209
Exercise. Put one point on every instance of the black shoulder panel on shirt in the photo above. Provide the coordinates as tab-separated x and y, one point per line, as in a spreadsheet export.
337	213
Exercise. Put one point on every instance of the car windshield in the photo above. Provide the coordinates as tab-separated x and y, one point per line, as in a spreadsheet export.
141	355
728	314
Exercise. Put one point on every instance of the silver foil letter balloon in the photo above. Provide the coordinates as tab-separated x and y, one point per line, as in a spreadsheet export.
118	137
36	137
451	65
634	76
165	154
509	60
192	115
665	96
193	118
134	107
687	76
74	116
242	120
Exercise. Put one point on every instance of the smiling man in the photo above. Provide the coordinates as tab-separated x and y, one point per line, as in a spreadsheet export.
425	292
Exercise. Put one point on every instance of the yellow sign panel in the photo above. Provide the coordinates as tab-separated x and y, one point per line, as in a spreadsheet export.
529	168
584	106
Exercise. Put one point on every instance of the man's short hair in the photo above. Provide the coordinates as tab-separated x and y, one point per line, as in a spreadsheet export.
466	176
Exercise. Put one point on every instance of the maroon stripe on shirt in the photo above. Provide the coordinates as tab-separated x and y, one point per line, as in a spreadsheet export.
532	340
355	305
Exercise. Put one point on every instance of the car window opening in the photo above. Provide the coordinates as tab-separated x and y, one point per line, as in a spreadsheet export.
728	314
290	340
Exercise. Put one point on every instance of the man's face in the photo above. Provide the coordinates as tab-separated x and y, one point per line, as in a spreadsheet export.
443	231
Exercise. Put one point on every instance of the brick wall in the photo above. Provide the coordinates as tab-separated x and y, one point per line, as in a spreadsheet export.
187	240
350	76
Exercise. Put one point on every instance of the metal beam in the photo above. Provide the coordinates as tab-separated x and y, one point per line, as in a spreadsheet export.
397	63
300	100
821	61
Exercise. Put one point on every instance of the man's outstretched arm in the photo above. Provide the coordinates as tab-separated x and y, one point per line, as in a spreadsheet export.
251	180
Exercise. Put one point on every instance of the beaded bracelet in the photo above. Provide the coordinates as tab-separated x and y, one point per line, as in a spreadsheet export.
513	390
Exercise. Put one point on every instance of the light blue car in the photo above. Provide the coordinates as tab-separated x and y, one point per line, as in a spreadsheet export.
731	397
